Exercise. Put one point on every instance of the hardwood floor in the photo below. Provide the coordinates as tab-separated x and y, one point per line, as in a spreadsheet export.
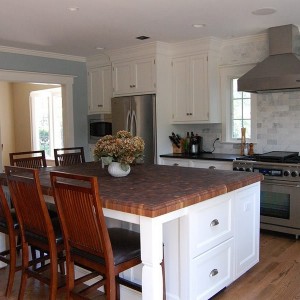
276	276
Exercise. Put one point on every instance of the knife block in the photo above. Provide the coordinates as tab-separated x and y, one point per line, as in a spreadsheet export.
179	150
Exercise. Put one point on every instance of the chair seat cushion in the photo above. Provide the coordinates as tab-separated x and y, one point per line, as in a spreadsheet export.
52	210
57	231
3	223
125	245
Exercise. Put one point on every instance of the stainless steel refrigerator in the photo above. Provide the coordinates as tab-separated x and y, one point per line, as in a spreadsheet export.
137	114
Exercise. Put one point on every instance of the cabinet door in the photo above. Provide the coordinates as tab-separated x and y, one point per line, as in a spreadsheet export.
176	162
198	105
144	75
122	78
211	271
134	77
246	212
212	164
180	89
100	90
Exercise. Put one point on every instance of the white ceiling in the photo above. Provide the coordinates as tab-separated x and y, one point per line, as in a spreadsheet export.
51	27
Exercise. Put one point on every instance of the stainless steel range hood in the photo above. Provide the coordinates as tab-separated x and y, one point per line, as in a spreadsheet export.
281	70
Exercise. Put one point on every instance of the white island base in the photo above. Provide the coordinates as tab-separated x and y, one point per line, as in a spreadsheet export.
207	246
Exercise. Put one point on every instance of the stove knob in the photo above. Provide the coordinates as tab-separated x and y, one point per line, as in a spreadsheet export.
294	173
248	169
286	173
235	168
242	169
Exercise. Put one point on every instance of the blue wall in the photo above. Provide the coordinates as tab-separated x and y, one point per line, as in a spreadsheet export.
28	63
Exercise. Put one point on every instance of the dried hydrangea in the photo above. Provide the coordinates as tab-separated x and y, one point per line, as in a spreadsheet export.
123	148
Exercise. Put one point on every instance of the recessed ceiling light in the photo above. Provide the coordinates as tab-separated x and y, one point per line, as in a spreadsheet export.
142	37
199	25
264	11
73	8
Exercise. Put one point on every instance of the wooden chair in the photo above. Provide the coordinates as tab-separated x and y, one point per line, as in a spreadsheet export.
36	160
28	159
69	156
37	228
9	226
88	242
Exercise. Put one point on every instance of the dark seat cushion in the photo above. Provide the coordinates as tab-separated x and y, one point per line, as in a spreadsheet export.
3	223
125	244
52	210
57	231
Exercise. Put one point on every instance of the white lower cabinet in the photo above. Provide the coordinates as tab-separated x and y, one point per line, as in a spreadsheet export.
246	224
177	162
211	271
197	163
219	241
212	164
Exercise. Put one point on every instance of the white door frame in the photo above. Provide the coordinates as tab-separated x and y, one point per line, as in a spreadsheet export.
67	84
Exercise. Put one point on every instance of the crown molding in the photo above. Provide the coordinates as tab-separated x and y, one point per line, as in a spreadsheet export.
42	54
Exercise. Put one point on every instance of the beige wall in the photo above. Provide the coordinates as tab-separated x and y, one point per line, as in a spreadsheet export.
21	92
6	121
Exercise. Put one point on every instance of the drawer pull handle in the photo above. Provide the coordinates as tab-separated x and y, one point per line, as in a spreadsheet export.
175	164
213	273
212	167
214	222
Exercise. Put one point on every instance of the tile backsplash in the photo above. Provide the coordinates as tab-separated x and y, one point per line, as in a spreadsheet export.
278	126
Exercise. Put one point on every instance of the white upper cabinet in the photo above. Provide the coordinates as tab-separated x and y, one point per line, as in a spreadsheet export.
134	77
100	90
195	89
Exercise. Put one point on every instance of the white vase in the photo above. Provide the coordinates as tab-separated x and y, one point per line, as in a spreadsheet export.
115	170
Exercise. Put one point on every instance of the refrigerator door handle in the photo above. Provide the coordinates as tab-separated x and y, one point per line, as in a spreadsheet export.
133	124
129	120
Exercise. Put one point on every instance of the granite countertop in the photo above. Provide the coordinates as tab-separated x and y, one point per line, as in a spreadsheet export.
154	190
203	155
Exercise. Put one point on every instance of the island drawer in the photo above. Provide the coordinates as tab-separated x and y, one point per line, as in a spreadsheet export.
208	225
211	271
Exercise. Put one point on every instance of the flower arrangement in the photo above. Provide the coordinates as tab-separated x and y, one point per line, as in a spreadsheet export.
123	148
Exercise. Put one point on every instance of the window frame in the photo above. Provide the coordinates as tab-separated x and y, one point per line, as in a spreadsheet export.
50	94
227	73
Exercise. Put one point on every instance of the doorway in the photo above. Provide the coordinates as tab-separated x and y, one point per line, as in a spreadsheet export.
66	82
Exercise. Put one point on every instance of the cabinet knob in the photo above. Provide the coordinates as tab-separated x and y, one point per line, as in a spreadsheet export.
175	164
214	222
100	105
212	167
213	273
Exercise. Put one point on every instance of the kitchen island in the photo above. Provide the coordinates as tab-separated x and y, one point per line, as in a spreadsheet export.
172	206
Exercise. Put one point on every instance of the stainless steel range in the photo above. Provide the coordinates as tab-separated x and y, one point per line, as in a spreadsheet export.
280	190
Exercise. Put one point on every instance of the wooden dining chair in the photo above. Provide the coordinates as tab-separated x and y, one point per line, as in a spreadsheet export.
37	228
36	160
10	227
88	242
69	156
28	159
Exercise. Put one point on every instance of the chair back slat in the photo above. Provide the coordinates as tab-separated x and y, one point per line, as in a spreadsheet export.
28	200
69	156
4	208
78	200
29	159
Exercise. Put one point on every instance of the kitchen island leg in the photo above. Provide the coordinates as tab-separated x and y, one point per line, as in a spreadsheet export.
152	255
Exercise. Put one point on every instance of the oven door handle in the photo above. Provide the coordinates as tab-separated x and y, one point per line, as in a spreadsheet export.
280	183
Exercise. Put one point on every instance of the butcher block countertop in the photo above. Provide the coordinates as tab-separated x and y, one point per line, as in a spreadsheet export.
154	190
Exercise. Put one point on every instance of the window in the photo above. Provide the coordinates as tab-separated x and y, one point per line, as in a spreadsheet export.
238	108
46	120
240	111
